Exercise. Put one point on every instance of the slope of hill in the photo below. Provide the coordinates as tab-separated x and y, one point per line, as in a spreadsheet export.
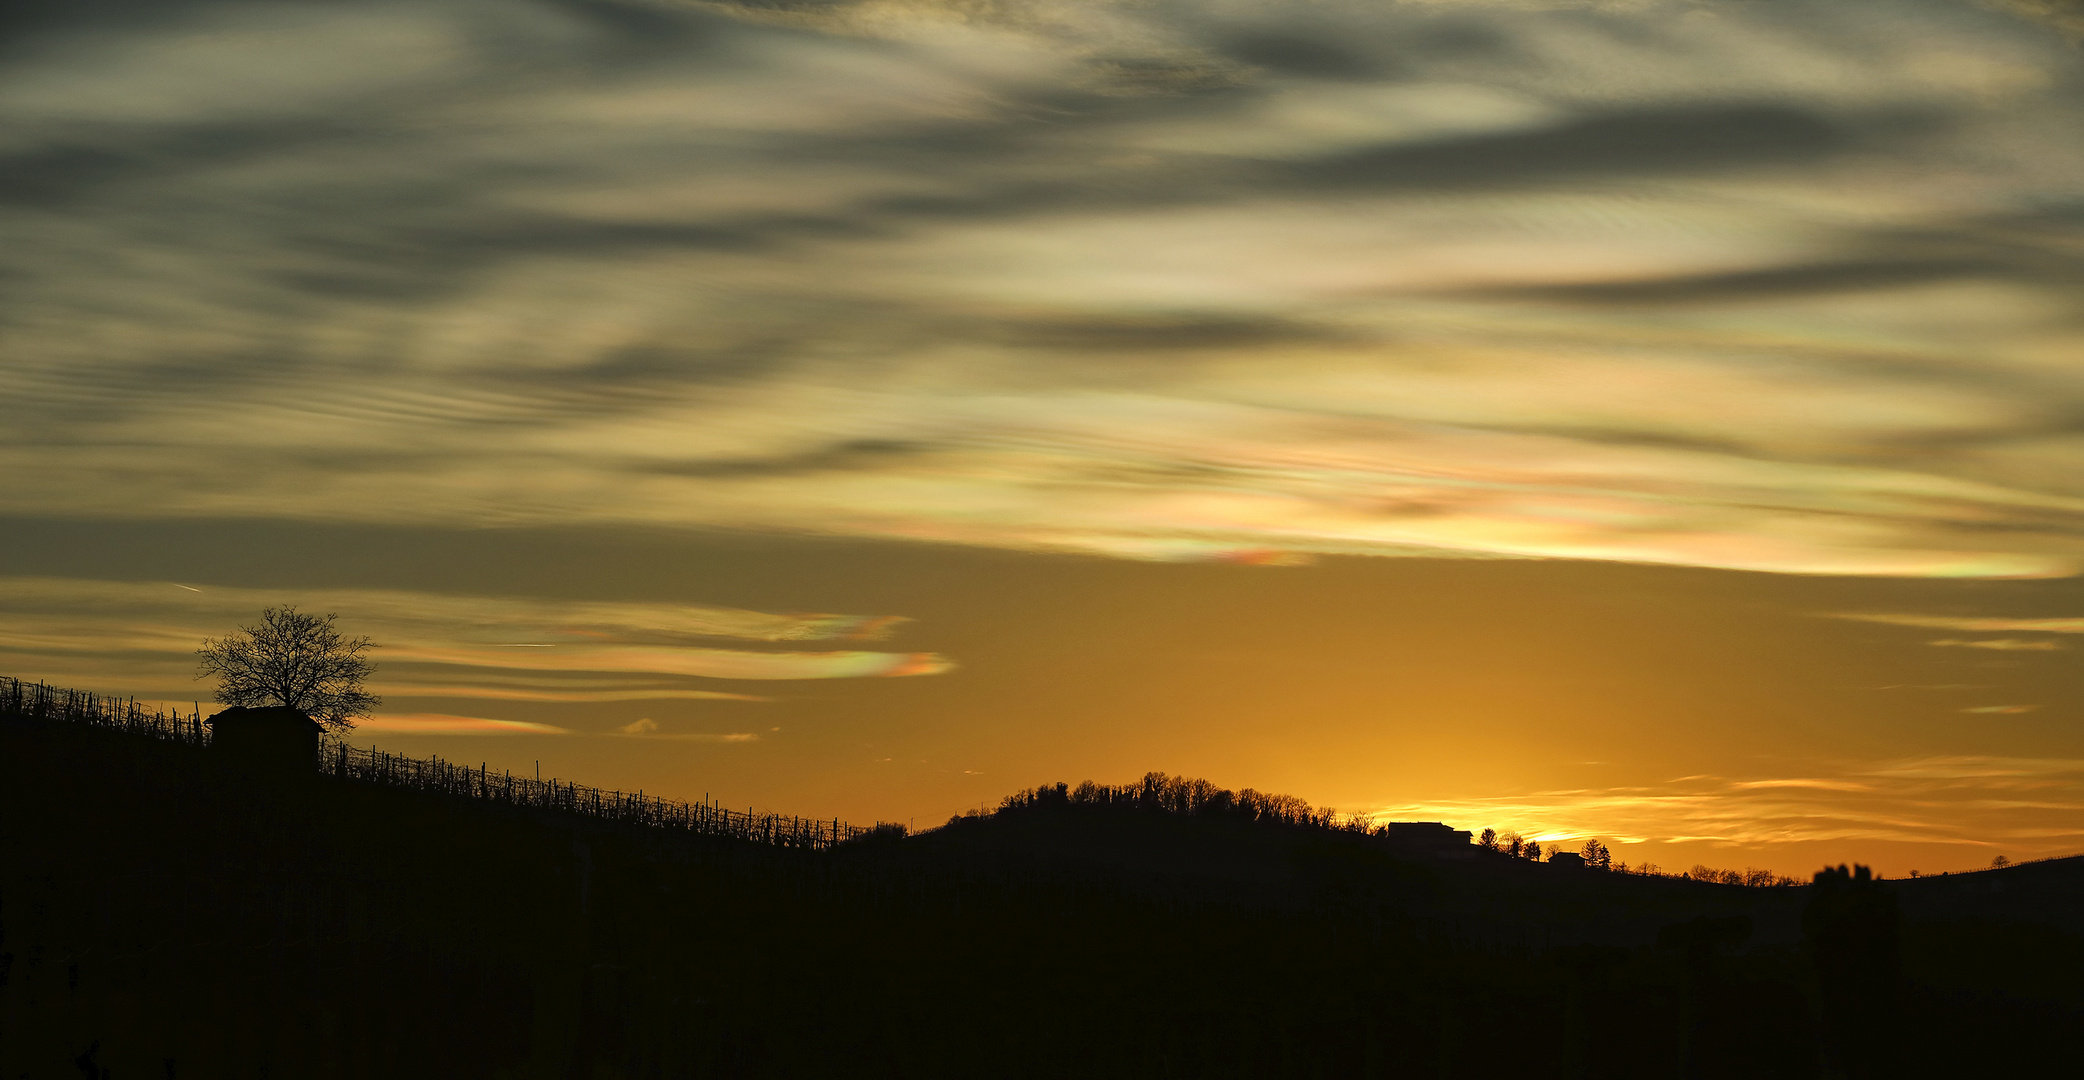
165	914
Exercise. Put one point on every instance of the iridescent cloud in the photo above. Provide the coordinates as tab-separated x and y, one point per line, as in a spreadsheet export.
444	724
702	663
1786	287
516	693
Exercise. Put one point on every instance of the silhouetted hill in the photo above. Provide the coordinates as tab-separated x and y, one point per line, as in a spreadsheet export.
1476	896
164	913
2044	893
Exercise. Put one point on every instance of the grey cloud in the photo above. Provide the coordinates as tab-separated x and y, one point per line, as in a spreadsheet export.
75	168
1306	56
1635	143
28	20
855	454
1156	332
2064	16
1617	145
2034	250
490	241
1404	48
649	28
420	256
642	367
1764	283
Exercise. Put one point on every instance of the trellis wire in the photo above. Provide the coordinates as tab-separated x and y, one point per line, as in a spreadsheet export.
370	765
125	715
373	766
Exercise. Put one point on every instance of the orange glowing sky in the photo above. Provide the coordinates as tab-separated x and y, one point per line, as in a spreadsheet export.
1653	420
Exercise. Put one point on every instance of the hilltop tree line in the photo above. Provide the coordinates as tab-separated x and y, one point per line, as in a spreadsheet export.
1599	857
1182	796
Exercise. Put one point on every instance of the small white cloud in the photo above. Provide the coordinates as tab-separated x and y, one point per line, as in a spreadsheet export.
647	728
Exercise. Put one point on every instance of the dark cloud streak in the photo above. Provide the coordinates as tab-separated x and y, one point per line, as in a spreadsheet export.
1617	144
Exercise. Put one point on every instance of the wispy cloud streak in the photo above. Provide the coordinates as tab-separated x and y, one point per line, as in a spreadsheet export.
1973	624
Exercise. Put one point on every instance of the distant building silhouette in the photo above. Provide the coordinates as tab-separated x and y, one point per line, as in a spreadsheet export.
274	737
1569	860
1432	837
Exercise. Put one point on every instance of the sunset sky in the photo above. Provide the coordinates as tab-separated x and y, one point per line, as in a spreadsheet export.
1658	421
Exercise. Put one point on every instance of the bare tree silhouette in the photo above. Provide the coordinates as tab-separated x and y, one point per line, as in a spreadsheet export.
292	659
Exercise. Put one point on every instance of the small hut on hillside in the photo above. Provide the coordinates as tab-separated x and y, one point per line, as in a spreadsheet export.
274	737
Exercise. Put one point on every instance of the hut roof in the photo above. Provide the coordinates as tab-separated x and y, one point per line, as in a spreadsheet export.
280	717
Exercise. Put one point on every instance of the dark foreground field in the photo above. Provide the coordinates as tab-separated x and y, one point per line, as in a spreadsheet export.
163	915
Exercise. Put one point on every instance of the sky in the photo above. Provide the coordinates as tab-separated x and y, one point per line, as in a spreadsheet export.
1657	421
